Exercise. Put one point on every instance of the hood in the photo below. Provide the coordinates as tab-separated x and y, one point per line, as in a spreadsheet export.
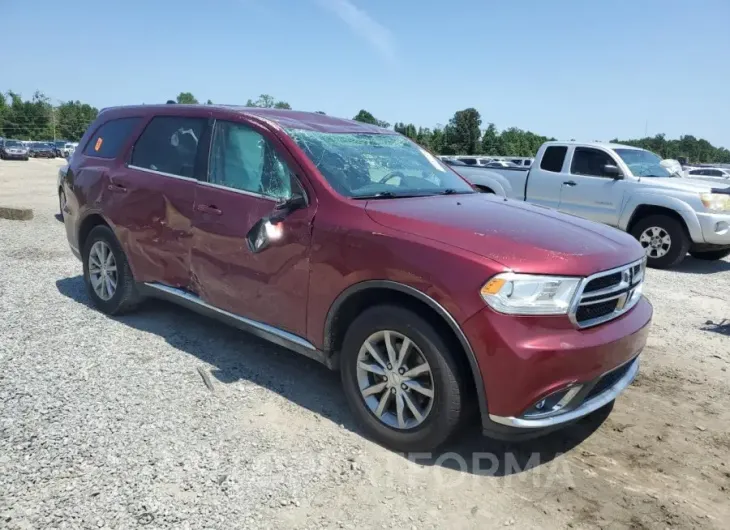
684	184
520	236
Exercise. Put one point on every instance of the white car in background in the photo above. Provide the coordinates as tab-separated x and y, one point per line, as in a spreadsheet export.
710	174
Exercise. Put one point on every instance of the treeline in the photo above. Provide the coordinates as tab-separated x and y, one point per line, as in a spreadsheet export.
38	119
693	149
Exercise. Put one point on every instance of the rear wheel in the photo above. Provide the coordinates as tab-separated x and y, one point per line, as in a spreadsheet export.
107	275
400	379
664	240
711	255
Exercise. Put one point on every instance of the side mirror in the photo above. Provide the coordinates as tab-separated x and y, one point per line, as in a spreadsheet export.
284	208
269	228
612	171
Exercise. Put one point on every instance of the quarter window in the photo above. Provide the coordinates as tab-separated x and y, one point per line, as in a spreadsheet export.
169	144
242	159
553	158
590	162
110	137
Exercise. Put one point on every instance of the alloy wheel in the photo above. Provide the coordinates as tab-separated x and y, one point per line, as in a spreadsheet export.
395	380
103	270
656	242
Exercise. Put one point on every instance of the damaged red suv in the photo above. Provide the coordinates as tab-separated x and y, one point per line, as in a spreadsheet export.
354	246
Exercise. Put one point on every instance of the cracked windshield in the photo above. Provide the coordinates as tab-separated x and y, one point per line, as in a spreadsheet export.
364	264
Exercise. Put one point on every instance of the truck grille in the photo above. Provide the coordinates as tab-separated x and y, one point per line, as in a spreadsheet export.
609	294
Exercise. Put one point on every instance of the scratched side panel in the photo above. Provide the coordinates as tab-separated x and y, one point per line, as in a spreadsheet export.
153	224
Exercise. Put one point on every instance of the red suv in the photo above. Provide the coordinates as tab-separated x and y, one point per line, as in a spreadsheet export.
354	246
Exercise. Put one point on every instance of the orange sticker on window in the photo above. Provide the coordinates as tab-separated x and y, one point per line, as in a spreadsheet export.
99	141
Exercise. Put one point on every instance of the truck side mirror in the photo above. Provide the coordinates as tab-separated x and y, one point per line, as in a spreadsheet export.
612	171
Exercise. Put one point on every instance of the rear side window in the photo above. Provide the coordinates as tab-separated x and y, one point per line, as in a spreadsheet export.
110	137
169	144
590	162
553	158
470	161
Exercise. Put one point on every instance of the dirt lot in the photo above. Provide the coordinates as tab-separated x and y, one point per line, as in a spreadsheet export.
107	422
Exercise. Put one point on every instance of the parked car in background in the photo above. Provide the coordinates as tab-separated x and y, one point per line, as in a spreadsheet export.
500	163
628	188
711	174
13	150
58	147
352	245
43	150
472	160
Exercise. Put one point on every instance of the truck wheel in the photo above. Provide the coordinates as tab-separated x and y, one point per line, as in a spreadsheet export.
711	255
107	275
400	380
664	239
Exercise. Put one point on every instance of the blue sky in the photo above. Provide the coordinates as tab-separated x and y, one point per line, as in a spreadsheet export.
566	68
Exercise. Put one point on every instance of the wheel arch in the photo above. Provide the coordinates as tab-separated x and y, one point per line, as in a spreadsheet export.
645	210
90	222
670	206
353	300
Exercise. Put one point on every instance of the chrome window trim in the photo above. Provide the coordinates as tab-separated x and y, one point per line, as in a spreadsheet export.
162	173
237	190
582	410
631	290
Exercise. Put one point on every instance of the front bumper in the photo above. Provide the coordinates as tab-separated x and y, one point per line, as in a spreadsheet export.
15	156
526	359
715	228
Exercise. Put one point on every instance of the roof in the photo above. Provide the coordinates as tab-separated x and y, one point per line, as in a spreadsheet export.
605	145
288	119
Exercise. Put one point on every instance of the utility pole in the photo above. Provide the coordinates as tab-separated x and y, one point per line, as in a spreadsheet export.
53	119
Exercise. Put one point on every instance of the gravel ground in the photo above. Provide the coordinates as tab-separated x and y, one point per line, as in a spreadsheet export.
166	419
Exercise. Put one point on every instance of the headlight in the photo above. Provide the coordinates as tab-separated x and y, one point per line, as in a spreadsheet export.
526	294
717	202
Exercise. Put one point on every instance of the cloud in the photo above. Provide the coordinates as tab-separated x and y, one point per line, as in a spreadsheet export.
362	24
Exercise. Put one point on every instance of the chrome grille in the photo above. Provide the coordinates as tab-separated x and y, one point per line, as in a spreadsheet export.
607	295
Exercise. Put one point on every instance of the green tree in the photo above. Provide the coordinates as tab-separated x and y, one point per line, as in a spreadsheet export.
209	102
490	138
186	98
365	117
265	101
463	132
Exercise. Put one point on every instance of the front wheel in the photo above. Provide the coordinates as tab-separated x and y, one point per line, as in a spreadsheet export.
400	379
711	255
62	202
664	240
107	275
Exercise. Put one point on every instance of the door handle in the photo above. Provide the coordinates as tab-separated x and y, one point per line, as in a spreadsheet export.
570	183
208	208
117	187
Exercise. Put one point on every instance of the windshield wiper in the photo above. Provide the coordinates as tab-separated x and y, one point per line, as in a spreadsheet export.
381	195
452	191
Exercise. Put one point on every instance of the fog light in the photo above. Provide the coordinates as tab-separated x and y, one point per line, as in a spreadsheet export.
553	403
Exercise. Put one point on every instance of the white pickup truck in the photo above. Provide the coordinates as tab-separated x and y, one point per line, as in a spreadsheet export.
624	187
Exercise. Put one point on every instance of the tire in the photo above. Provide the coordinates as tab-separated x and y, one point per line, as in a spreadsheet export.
61	202
711	255
663	225
447	406
125	296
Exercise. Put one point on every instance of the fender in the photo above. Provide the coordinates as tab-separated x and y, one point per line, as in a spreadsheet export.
672	203
433	304
490	179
